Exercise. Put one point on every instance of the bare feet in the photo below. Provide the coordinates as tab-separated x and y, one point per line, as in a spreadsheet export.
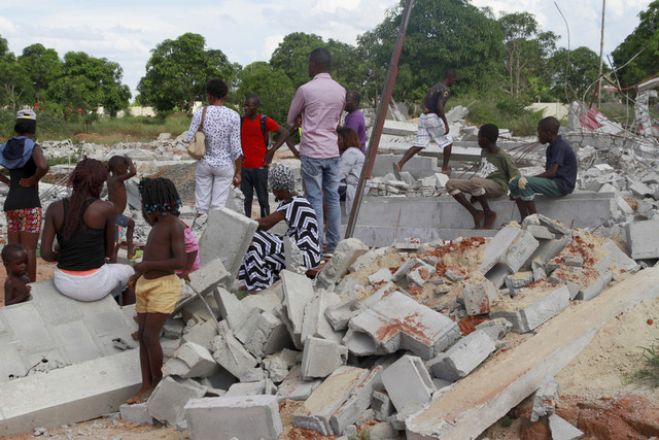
397	168
141	396
478	218
490	218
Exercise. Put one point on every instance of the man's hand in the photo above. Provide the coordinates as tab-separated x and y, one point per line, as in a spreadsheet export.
236	179
521	183
26	182
269	156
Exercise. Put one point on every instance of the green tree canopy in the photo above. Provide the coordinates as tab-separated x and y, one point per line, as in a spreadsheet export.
441	34
43	67
646	38
15	86
573	73
177	72
273	87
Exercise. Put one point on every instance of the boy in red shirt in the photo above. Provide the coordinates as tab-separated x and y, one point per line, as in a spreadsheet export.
254	137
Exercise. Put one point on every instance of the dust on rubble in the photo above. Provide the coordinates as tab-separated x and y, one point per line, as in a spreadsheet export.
104	429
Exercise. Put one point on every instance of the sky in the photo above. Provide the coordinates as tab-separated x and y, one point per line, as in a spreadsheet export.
125	31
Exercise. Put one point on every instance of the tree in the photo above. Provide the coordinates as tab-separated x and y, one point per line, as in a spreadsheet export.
273	86
527	51
15	87
575	72
441	34
646	38
87	83
43	67
177	72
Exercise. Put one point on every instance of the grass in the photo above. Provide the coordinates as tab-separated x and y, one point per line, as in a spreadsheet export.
649	373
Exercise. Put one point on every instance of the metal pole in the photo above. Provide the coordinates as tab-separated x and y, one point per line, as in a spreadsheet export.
599	82
383	106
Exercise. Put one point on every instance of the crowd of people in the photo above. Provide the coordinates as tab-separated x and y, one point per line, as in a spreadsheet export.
80	232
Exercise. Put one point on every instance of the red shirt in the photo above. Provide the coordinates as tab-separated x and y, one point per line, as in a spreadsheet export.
251	138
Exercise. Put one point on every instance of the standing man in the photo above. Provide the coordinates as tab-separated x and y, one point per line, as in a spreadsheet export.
433	125
255	130
355	118
560	176
320	103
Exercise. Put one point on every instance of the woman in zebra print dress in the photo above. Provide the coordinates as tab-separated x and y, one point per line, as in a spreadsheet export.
265	257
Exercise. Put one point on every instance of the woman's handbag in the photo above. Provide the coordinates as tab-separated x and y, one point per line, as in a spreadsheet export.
197	147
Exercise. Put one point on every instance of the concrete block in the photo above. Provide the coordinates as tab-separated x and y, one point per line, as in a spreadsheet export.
478	296
498	246
321	357
573	260
440	180
640	189
298	291
136	413
518	280
212	274
237	314
554	226
173	329
643	239
169	346
399	322
247	417
532	307
380	277
231	355
318	409
382	431
498	275
201	334
197	360
227	237
279	363
614	259
540	232
260	388
463	357
346	253
408	383
168	399
561	429
520	251
549	249
338	315
495	328
295	388
314	323
381	404
404	269
421	274
269	336
596	287
267	300
545	400
352	411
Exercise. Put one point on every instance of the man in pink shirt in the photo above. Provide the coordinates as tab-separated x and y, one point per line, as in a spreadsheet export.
320	103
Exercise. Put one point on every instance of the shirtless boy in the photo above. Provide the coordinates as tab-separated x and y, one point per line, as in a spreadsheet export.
121	169
156	285
15	260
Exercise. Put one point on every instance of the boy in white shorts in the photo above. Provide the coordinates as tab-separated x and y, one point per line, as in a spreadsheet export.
433	125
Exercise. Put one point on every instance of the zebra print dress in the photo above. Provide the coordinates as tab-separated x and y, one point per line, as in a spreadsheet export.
265	257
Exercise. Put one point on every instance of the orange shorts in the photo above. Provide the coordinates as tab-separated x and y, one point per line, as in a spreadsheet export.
158	295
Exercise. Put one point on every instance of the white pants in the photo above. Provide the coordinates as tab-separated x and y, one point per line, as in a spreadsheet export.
109	278
212	186
432	129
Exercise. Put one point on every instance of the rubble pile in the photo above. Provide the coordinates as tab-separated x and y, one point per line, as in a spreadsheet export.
374	338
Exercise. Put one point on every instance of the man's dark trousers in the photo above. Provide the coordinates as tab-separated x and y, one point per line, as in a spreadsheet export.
255	178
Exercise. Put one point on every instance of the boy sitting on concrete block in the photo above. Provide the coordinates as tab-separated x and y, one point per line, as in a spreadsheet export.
497	168
560	174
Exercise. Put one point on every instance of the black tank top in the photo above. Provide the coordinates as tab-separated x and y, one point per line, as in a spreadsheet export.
18	196
85	249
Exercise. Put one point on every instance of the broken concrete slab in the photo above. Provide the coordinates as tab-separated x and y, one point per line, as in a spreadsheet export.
478	296
549	249
247	417
321	357
338	315
267	300
532	307
520	250
643	239
380	277
561	429
545	400
137	413
408	383
295	388
315	323
259	388
197	362
356	405
298	291
381	404
76	393
596	287
279	363
201	333
497	248
209	276
231	355
399	322
495	328
269	336
540	232
227	237
463	357
345	254
476	402
168	399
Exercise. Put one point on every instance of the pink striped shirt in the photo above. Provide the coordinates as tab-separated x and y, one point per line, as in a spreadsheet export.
320	102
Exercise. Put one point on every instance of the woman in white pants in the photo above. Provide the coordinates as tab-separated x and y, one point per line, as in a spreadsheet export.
220	166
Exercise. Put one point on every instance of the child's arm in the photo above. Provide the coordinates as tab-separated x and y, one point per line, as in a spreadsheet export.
16	294
178	259
191	256
132	171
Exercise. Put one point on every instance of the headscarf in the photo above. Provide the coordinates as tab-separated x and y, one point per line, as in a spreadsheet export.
281	178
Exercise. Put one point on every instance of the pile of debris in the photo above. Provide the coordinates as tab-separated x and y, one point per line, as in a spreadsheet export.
377	336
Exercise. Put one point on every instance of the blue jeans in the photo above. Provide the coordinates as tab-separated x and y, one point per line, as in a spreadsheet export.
321	185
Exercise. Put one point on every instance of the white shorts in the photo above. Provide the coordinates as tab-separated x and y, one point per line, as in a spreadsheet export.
432	128
108	279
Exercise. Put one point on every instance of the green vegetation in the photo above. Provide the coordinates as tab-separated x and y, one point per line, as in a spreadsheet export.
649	373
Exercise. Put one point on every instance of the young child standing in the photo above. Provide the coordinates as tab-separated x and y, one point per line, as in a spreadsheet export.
157	287
15	260
121	169
351	163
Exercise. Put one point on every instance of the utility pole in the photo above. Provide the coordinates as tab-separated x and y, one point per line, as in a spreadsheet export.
381	115
599	81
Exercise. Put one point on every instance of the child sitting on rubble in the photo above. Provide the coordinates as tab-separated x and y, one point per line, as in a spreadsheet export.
156	285
121	168
17	289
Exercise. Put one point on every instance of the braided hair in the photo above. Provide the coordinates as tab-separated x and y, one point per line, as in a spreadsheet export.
87	181
159	195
